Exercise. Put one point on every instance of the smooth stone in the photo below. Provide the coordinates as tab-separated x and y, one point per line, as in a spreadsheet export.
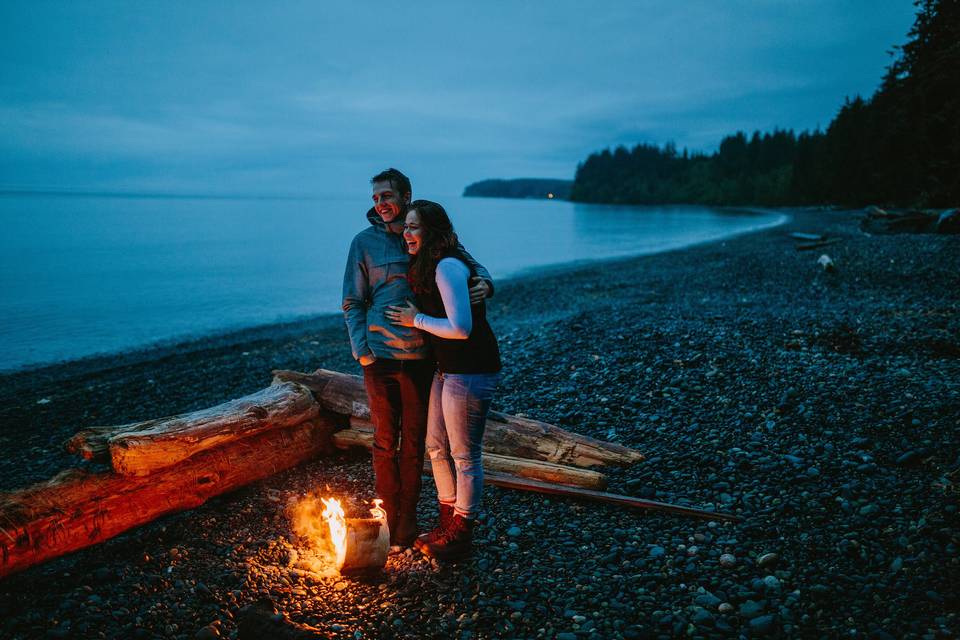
768	560
763	624
725	607
702	617
656	552
751	609
728	560
706	600
513	531
208	632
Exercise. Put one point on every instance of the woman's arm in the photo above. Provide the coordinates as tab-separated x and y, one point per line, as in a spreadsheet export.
452	283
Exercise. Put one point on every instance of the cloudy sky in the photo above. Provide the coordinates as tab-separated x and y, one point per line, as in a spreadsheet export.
311	98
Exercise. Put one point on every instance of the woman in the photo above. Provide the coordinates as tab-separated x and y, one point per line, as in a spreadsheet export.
468	366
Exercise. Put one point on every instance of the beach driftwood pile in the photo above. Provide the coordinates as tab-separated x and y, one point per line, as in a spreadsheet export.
877	220
172	464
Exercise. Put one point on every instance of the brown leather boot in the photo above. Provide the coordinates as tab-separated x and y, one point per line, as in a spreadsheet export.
446	517
453	544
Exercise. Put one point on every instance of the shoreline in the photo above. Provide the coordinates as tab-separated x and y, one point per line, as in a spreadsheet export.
820	407
235	336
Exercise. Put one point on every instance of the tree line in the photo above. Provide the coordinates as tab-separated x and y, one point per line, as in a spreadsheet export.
899	147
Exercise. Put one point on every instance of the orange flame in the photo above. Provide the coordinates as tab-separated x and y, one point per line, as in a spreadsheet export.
377	511
336	520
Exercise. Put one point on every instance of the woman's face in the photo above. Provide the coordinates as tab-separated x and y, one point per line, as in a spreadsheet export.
412	232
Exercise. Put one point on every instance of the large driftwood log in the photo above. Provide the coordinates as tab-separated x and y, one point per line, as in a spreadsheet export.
505	434
142	448
76	509
362	436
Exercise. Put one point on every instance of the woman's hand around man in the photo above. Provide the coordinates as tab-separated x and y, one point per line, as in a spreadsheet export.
403	316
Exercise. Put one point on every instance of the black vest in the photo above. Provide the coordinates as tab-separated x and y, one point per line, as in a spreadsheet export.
477	354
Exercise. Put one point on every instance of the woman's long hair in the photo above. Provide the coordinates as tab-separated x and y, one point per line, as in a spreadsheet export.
437	240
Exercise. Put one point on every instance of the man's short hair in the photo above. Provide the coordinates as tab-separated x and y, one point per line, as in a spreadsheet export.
399	182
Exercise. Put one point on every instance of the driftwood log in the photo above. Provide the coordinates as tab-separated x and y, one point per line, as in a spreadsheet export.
76	509
505	434
816	245
177	463
362	436
142	448
526	484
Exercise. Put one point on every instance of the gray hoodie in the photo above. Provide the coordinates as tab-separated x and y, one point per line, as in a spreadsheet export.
376	278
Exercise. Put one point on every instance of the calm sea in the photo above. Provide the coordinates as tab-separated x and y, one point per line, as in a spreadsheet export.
81	275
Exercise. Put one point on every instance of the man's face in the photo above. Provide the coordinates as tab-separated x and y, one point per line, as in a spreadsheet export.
388	204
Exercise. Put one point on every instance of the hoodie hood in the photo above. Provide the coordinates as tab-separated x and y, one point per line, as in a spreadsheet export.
377	221
375	218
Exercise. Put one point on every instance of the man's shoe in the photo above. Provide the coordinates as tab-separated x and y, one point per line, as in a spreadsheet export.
406	533
453	544
446	517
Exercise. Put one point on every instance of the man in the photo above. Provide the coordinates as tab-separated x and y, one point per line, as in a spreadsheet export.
397	366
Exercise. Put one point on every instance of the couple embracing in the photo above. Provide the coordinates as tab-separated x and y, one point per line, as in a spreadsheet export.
414	304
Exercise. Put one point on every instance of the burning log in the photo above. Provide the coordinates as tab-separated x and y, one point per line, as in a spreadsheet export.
145	447
361	544
505	434
361	435
76	509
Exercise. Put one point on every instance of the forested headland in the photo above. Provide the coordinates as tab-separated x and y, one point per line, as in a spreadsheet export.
520	188
899	147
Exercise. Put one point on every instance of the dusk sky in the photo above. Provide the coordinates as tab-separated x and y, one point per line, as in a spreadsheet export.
312	98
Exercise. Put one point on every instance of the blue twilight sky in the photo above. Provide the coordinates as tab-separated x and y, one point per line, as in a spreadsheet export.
311	98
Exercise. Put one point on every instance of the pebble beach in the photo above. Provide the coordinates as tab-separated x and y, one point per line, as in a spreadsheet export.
822	407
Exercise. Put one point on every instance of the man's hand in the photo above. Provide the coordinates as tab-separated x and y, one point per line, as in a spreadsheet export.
403	316
479	290
367	360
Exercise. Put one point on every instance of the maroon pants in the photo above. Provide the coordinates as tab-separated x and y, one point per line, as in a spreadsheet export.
399	392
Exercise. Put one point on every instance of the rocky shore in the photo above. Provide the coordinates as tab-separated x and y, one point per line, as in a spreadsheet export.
822	406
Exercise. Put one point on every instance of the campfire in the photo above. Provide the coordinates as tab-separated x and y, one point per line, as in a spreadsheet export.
337	543
359	543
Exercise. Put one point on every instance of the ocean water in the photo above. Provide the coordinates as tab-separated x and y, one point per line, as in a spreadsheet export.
83	275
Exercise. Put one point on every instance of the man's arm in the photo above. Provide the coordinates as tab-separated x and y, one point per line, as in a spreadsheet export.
356	291
482	285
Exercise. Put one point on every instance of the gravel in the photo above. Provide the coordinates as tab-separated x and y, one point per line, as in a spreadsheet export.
821	407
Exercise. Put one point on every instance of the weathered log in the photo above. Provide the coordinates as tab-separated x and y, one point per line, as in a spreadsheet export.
76	509
526	484
362	436
93	443
365	545
505	434
145	447
816	245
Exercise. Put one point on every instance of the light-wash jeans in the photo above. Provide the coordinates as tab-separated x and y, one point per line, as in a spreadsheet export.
456	418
